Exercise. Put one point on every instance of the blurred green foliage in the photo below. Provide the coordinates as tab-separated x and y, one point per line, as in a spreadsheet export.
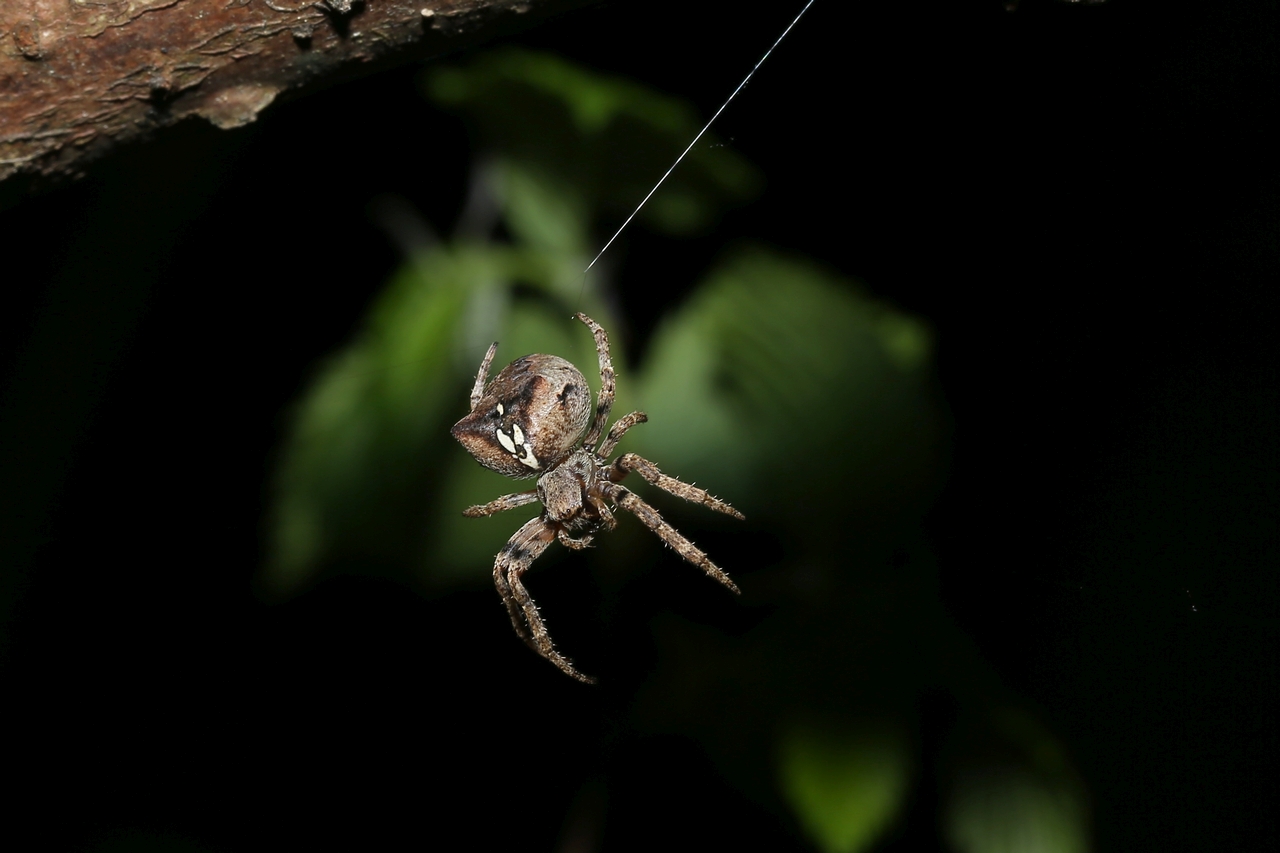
785	379
598	144
845	782
1012	790
795	394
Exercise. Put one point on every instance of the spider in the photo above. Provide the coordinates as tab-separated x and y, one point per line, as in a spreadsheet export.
535	420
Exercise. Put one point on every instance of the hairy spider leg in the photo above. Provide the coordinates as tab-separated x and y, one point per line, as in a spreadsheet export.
628	462
606	522
513	561
573	544
502	504
477	390
631	502
604	403
527	544
618	430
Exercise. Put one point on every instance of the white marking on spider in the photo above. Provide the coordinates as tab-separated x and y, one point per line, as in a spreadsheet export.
530	459
518	433
505	440
501	411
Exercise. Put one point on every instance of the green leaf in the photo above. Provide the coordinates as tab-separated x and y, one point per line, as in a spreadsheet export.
844	780
543	215
602	141
357	440
778	376
1014	791
1008	810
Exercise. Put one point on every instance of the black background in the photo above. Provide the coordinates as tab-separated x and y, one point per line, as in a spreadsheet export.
1079	199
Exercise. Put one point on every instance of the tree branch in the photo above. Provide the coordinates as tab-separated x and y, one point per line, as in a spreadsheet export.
80	76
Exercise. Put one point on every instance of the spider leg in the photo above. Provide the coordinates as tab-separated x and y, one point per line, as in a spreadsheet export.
514	560
502	504
616	432
477	390
607	521
632	503
573	544
604	403
630	462
526	545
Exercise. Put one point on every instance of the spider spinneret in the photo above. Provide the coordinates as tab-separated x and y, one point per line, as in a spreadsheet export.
534	419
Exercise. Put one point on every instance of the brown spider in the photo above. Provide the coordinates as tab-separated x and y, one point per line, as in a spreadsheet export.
534	420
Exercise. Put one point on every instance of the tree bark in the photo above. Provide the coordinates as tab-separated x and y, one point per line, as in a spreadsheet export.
80	76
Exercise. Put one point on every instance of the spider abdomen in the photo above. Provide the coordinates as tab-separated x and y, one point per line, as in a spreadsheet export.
530	417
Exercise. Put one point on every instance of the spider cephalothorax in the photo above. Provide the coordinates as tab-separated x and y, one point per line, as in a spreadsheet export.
534	420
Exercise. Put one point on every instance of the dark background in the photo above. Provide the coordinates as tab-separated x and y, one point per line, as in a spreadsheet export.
1079	199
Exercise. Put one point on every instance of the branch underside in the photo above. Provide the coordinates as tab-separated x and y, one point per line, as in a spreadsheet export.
80	76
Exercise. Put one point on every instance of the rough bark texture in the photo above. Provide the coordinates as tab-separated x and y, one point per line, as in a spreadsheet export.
78	76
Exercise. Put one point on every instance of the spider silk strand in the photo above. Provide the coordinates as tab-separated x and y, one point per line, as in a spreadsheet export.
705	128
